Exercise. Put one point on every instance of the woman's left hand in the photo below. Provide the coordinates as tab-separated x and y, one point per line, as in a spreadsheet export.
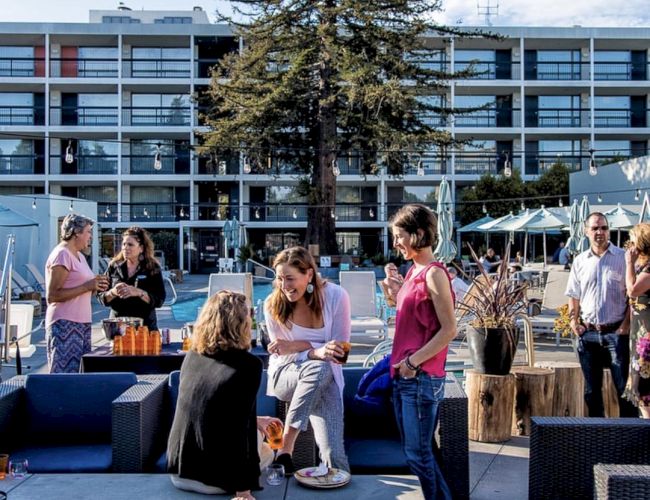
126	291
281	347
403	370
264	422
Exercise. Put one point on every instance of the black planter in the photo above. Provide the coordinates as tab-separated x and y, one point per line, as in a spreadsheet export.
492	349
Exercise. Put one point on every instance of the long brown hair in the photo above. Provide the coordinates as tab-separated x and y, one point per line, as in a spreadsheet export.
299	258
641	233
222	324
141	235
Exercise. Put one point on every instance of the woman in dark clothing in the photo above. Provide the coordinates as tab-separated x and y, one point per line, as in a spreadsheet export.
137	287
213	443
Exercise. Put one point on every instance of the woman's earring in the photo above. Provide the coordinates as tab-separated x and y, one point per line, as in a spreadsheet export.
310	288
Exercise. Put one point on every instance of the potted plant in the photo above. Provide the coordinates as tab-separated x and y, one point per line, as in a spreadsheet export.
491	306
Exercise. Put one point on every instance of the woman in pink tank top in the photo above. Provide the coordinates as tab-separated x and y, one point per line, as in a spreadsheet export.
424	327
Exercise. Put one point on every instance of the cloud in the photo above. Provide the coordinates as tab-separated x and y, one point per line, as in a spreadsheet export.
586	13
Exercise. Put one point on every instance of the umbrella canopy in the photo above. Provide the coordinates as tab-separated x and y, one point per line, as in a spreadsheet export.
446	250
644	215
583	214
493	225
473	226
575	229
9	218
621	218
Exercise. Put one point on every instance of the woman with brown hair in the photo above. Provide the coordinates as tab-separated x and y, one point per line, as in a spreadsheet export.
213	442
137	287
637	280
308	321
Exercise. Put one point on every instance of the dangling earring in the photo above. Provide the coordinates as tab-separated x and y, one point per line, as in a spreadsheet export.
310	288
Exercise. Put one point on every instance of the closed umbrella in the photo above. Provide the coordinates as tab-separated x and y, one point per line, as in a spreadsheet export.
446	250
234	234
644	215
575	229
584	212
621	218
226	237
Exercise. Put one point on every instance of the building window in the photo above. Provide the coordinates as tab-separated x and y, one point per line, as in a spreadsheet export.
612	65
97	62
119	20
16	61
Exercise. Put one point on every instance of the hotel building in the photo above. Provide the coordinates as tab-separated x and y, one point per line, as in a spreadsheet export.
106	111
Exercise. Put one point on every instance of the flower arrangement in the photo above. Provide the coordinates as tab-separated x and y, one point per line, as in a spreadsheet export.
562	324
642	363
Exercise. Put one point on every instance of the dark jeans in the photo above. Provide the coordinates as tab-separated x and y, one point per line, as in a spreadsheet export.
597	351
416	403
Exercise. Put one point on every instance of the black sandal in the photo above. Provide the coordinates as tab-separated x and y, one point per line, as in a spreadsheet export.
286	460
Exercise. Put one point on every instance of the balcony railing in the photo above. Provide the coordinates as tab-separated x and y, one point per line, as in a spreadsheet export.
83	68
490	118
537	164
215	211
22	115
157	68
558	117
615	70
22	66
143	212
28	164
557	70
482	162
613	117
87	116
491	70
83	164
144	164
292	212
141	116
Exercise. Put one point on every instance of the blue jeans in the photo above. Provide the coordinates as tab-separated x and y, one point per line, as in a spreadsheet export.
416	403
597	351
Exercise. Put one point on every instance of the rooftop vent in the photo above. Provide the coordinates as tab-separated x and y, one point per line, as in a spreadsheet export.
197	8
121	6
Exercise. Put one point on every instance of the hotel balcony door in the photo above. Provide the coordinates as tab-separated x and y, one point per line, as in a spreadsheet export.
209	246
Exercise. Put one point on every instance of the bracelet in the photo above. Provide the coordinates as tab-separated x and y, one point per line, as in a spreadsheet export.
410	365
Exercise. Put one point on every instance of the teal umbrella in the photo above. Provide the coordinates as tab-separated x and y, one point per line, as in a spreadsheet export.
446	250
621	218
584	212
234	238
473	226
575	229
644	215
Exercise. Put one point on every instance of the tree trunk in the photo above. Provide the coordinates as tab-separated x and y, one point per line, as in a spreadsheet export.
490	406
568	393
321	226
534	389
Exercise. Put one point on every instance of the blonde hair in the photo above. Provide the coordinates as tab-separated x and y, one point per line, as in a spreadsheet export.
641	233
223	324
299	258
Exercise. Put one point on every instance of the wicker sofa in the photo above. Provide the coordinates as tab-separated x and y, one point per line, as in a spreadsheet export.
564	451
100	422
628	482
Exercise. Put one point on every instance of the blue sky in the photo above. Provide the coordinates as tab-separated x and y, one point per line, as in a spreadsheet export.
586	13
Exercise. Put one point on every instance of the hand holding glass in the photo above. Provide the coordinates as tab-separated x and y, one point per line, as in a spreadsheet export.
274	433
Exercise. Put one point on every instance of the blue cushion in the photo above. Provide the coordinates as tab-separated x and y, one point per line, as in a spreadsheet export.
266	405
161	464
78	458
376	455
71	408
172	384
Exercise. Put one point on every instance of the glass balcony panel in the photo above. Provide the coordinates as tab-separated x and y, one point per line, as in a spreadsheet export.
17	164
156	117
610	117
159	68
560	118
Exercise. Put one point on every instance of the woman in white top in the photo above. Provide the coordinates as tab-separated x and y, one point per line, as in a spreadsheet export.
308	320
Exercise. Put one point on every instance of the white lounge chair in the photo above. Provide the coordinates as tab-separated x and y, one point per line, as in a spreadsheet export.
20	284
22	316
236	282
226	265
552	298
38	277
362	289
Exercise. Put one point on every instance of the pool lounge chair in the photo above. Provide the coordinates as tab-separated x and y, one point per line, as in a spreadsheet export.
38	277
553	298
362	289
22	316
236	282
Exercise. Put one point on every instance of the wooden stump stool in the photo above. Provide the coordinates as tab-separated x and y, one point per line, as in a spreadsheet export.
569	388
610	398
490	399
534	389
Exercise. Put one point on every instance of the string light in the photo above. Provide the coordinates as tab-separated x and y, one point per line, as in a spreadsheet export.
295	213
34	204
222	167
593	170
507	166
108	210
336	171
484	209
71	207
247	165
523	205
157	158
257	213
371	213
637	195
182	212
69	157
560	203
145	212
420	170
332	214
599	198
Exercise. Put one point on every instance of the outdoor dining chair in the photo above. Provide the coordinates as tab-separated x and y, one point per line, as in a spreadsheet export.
362	289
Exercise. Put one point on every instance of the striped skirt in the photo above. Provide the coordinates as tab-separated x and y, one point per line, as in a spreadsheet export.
67	341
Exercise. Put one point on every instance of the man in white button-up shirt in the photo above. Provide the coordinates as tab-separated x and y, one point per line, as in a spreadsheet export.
599	315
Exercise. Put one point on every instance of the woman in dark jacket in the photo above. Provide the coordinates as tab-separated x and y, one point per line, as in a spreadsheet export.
213	443
137	287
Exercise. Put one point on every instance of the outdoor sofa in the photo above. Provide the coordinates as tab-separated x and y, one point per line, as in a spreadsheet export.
82	423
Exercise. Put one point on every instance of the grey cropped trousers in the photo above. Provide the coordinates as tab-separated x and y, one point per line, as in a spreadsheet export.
314	397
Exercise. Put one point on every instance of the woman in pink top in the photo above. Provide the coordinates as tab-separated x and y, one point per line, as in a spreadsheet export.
69	283
424	326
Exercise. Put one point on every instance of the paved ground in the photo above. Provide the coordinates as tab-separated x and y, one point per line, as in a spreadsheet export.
497	471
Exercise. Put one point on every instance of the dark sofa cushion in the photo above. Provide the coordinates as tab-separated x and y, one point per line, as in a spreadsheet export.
373	456
78	458
72	408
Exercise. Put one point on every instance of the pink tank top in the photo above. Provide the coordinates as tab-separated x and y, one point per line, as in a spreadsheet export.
417	322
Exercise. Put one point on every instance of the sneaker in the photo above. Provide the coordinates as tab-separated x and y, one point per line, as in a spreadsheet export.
286	460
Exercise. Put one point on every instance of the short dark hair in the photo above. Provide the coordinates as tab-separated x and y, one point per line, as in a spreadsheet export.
596	214
415	216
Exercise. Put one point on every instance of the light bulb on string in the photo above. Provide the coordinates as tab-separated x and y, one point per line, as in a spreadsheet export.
257	213
222	167
71	207
34	204
336	171
145	212
593	170
182	212
108	210
420	170
560	203
69	157
599	198
637	195
294	214
371	213
484	208
523	205
507	166
332	214
157	158
247	165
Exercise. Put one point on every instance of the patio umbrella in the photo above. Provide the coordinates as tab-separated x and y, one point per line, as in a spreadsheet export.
226	237
621	218
234	234
493	225
473	226
9	218
584	212
575	229
446	250
644	215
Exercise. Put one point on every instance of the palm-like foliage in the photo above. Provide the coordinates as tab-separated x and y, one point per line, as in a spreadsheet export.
493	301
